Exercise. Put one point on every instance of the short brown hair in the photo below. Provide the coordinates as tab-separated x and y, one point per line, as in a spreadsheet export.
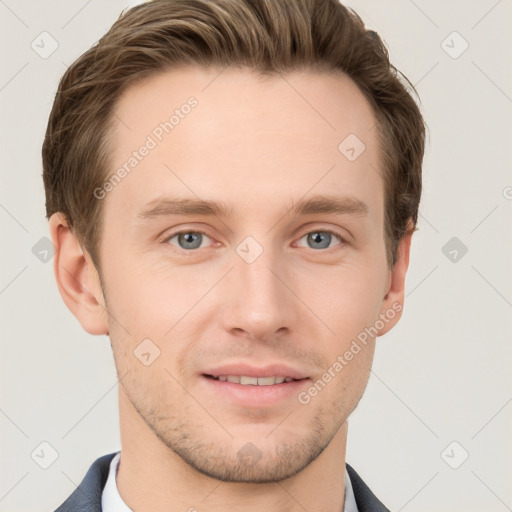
269	36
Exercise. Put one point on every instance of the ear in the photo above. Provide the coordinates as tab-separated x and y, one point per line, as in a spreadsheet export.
392	305
77	278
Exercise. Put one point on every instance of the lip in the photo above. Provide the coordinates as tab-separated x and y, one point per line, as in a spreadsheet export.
277	370
249	395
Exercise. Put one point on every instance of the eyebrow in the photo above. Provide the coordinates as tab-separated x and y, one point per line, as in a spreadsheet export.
165	206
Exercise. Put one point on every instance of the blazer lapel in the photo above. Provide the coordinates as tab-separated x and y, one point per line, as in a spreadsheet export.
87	496
365	499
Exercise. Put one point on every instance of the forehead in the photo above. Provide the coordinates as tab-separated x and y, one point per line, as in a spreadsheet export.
330	102
212	129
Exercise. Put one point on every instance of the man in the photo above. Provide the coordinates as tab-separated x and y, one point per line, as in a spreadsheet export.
232	188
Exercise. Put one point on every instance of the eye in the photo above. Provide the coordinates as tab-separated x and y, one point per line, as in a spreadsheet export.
322	238
188	240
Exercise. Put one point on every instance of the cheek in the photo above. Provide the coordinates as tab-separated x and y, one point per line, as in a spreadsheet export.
148	298
162	305
345	298
149	294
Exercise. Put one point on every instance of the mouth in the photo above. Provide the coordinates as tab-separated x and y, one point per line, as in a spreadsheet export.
243	391
246	380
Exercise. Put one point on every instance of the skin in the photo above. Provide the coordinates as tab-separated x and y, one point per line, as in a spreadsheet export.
258	146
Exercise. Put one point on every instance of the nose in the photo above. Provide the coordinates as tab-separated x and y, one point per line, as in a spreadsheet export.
261	304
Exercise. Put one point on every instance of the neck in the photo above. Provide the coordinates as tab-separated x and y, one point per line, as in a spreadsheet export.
154	478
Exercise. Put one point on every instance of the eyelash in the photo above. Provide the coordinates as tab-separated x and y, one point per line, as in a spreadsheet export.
331	232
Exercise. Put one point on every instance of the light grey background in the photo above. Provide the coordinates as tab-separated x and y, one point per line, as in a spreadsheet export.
441	375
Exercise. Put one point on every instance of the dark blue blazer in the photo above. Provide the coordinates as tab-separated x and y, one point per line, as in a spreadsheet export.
87	496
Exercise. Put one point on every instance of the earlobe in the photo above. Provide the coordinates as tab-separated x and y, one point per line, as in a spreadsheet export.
77	278
392	304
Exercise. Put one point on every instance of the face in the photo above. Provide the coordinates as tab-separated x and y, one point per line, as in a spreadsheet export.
279	275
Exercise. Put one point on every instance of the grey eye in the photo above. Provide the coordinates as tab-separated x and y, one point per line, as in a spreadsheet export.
320	239
188	239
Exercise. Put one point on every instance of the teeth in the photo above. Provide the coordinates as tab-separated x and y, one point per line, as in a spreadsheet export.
253	381
269	381
249	380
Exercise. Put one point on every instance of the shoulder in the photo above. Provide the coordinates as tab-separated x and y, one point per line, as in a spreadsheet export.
365	499
87	496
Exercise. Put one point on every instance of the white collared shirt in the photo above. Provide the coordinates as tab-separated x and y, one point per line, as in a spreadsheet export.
111	500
